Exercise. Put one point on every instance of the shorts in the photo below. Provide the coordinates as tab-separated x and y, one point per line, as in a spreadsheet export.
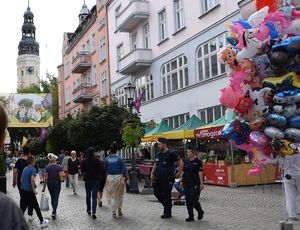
101	185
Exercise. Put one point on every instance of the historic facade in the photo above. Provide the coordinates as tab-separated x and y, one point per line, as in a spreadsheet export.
28	62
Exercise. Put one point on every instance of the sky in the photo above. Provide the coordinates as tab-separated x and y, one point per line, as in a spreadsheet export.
51	18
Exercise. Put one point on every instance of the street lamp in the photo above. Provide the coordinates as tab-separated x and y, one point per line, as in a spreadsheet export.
133	187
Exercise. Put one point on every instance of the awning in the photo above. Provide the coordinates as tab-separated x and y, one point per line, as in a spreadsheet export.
155	133
214	129
185	131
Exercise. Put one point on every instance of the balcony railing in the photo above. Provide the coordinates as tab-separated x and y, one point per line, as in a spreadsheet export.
82	62
83	93
136	12
135	61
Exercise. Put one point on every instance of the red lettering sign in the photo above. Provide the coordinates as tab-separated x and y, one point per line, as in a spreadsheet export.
216	174
209	133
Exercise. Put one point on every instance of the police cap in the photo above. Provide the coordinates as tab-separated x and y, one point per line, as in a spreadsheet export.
163	140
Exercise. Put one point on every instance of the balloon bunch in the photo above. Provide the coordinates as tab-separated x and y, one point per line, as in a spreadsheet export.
263	63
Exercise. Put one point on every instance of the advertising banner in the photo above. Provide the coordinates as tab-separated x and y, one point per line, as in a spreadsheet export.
209	133
216	174
28	110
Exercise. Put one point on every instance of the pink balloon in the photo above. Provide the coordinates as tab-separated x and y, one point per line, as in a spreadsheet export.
255	171
229	97
236	82
258	139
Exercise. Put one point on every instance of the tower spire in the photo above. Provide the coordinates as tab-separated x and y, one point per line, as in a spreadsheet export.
28	3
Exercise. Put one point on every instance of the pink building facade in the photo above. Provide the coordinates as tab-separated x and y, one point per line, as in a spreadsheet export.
84	72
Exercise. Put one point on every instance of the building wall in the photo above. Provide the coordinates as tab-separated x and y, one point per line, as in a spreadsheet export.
199	28
25	77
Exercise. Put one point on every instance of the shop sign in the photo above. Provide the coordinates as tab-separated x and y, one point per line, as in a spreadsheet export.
209	133
216	174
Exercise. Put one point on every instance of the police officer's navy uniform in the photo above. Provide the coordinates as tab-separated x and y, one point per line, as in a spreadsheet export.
191	186
164	180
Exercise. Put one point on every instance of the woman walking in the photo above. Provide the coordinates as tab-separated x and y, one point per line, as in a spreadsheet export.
91	171
52	179
28	190
73	171
116	172
64	166
102	180
192	183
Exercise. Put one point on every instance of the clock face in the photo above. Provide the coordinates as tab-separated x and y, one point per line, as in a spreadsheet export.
29	70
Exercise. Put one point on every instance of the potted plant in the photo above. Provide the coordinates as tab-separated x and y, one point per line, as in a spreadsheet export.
2	173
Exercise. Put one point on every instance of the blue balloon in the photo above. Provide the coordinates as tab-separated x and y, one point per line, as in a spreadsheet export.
276	120
236	131
287	97
294	122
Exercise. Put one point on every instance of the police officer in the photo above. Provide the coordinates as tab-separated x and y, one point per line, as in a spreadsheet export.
162	176
192	178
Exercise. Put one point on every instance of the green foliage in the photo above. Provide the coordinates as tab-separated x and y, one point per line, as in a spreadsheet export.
36	146
31	89
132	132
25	102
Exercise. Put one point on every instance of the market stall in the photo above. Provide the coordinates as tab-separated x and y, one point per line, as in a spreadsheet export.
224	164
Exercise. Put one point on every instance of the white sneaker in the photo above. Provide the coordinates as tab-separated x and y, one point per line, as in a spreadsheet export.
44	223
30	218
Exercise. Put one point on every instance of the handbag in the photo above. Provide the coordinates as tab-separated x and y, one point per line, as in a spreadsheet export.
62	176
44	204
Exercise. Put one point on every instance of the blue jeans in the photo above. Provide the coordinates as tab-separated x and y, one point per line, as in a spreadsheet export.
54	190
91	188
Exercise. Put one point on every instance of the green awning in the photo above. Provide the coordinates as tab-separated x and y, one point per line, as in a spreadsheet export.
154	134
193	123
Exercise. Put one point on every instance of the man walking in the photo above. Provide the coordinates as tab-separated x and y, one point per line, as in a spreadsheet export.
162	176
18	170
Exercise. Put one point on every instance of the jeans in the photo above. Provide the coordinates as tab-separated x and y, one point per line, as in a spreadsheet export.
30	208
162	191
54	190
74	181
91	188
29	198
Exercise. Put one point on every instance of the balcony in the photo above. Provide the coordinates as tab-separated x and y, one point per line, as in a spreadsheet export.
82	62
136	12
135	61
84	93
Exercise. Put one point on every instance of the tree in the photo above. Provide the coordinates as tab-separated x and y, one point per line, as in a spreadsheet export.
26	102
31	89
132	132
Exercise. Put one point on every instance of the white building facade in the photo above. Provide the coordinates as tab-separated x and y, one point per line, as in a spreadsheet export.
169	49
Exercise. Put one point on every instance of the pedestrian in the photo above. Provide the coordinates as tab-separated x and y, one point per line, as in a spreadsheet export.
64	166
102	180
117	173
53	182
91	171
61	157
41	163
11	216
28	190
292	184
162	176
192	180
17	174
73	165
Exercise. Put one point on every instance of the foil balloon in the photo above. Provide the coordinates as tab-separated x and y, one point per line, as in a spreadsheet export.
273	132
263	65
260	104
286	111
236	131
258	139
258	124
284	147
227	56
292	134
244	105
272	4
288	81
294	122
229	97
287	97
255	171
276	120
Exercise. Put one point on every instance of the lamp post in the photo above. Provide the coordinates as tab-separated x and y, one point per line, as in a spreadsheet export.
133	187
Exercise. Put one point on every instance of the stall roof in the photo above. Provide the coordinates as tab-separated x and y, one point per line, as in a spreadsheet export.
147	129
185	131
154	134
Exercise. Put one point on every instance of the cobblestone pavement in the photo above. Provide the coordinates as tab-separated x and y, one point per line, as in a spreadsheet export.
225	208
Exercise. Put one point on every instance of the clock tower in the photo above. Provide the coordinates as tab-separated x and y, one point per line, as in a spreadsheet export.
28	62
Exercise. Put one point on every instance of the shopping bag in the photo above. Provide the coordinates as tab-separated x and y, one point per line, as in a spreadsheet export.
62	176
44	204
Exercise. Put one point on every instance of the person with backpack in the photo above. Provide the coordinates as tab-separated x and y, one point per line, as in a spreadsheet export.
41	163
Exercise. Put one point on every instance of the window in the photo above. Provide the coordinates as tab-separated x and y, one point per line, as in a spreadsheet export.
207	63
146	34
145	83
176	121
175	75
68	95
88	48
120	53
179	14
67	70
94	76
134	41
74	85
101	23
104	83
117	13
121	96
102	49
209	4
83	47
93	43
162	25
211	114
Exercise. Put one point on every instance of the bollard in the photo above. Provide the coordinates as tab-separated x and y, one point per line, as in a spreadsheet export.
285	225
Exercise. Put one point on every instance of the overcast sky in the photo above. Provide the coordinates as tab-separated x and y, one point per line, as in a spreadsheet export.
51	18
